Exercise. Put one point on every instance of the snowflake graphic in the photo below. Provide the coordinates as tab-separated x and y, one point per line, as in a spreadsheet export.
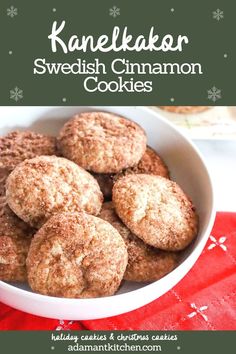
198	311
218	14
12	11
114	11
214	94
16	94
219	242
64	326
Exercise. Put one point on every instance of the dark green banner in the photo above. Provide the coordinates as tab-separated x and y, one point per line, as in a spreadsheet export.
83	52
125	342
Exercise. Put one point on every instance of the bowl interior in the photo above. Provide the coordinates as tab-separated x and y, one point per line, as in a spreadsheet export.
185	165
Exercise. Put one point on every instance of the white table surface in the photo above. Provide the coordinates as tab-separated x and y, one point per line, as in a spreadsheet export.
220	157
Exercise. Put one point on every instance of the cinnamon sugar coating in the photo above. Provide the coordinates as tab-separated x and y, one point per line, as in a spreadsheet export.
18	146
15	238
156	210
76	255
45	185
150	163
102	142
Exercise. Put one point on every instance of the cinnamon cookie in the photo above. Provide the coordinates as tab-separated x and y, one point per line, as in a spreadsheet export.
145	263
18	146
15	238
156	210
76	255
185	109
150	163
102	142
45	185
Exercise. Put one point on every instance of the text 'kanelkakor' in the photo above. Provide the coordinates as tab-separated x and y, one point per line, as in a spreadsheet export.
119	40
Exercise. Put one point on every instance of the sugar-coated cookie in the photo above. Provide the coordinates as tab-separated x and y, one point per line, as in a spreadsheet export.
15	238
76	255
156	210
150	163
102	142
18	146
45	185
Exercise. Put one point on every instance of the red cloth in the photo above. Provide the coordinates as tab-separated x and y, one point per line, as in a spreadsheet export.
204	300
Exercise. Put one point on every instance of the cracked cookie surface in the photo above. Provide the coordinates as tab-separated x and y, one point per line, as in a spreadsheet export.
145	263
38	188
102	142
156	210
76	255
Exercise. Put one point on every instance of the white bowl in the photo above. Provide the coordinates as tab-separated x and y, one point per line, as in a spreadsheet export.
187	168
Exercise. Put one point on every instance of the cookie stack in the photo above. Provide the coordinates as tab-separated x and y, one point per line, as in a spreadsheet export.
55	230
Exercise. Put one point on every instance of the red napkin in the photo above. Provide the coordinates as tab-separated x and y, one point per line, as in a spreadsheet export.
204	300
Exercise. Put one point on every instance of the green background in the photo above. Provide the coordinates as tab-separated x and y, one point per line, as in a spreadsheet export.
189	342
26	36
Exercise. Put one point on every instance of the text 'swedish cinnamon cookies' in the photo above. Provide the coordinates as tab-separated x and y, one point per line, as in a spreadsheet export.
76	255
102	142
156	210
145	263
38	188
